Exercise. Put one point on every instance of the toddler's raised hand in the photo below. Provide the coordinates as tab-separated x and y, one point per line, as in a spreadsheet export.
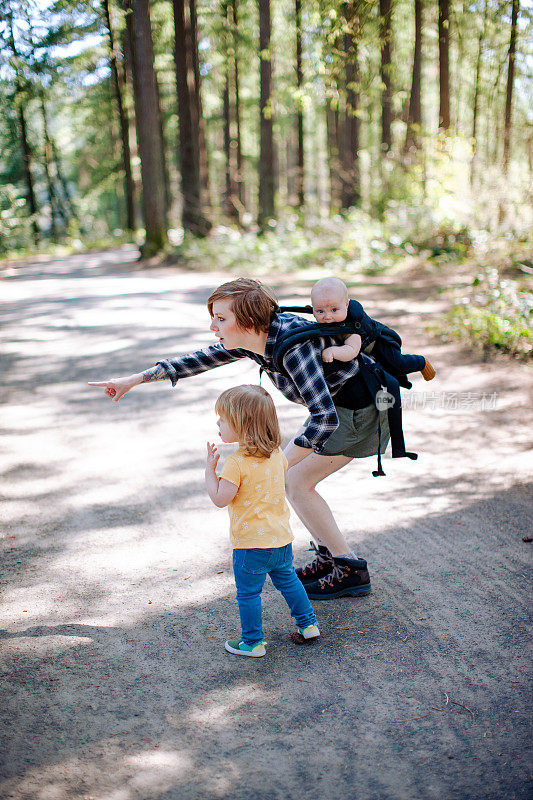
212	456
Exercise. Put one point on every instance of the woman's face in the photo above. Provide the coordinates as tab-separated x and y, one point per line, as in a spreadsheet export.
224	326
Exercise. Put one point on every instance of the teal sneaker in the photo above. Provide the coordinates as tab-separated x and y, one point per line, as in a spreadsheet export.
311	632
241	649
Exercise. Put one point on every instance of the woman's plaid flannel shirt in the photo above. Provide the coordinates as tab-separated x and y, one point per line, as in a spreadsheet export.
304	381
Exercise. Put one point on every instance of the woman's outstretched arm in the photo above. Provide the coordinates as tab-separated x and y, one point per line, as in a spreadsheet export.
171	369
115	388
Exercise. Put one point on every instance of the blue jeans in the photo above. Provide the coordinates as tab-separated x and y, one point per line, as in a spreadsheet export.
250	568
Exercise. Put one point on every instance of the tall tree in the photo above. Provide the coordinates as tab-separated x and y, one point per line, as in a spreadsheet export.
20	99
193	216
148	129
27	159
350	172
202	145
164	164
332	47
300	163
477	83
414	117
267	176
240	176
231	203
333	147
67	201
385	12
53	199
444	65
509	90
123	120
129	95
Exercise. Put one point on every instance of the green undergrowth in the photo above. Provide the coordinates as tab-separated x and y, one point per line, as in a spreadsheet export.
70	246
494	313
350	244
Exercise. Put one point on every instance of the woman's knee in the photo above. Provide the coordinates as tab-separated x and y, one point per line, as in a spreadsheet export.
296	483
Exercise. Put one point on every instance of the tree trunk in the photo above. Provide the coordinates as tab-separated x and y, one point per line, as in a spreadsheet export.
124	124
385	12
350	176
202	145
414	118
239	176
148	129
231	202
24	141
333	139
299	184
332	97
68	202
267	179
509	91
481	40
129	86
164	165
193	217
26	153
47	161
444	65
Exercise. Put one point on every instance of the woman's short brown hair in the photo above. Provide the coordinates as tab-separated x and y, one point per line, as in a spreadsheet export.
251	413
253	304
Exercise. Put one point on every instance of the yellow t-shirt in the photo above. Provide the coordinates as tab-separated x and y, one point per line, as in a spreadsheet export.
259	514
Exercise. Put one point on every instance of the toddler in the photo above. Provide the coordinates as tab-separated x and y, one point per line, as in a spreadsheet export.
252	485
331	304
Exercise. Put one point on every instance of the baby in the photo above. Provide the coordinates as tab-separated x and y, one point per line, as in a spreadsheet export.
331	304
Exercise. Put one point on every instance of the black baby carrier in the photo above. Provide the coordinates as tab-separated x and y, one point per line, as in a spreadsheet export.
381	379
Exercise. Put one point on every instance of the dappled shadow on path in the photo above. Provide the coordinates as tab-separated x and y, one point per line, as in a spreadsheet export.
117	685
414	673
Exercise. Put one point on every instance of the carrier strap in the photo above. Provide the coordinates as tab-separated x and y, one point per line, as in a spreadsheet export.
297	309
377	473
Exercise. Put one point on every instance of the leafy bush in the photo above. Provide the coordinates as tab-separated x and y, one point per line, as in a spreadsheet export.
496	314
343	244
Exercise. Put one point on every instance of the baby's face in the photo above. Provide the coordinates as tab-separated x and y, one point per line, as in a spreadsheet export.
330	307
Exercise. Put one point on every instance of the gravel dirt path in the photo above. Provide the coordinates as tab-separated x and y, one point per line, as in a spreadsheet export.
117	585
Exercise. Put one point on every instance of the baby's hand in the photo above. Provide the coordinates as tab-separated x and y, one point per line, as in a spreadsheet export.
327	355
212	456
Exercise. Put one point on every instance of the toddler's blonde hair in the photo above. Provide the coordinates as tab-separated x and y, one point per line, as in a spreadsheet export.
251	413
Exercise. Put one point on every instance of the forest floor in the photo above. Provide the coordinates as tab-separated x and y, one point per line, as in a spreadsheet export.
117	585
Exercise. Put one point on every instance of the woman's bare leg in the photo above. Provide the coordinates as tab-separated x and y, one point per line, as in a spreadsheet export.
310	507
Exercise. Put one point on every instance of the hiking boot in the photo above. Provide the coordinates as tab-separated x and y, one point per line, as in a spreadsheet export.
242	649
321	565
348	578
428	373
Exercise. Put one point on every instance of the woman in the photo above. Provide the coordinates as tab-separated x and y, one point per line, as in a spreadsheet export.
247	322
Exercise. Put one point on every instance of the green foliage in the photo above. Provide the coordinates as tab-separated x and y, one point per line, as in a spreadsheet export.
421	202
15	226
494	315
342	245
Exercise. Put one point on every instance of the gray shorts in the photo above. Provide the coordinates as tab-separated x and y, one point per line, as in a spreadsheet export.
357	434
